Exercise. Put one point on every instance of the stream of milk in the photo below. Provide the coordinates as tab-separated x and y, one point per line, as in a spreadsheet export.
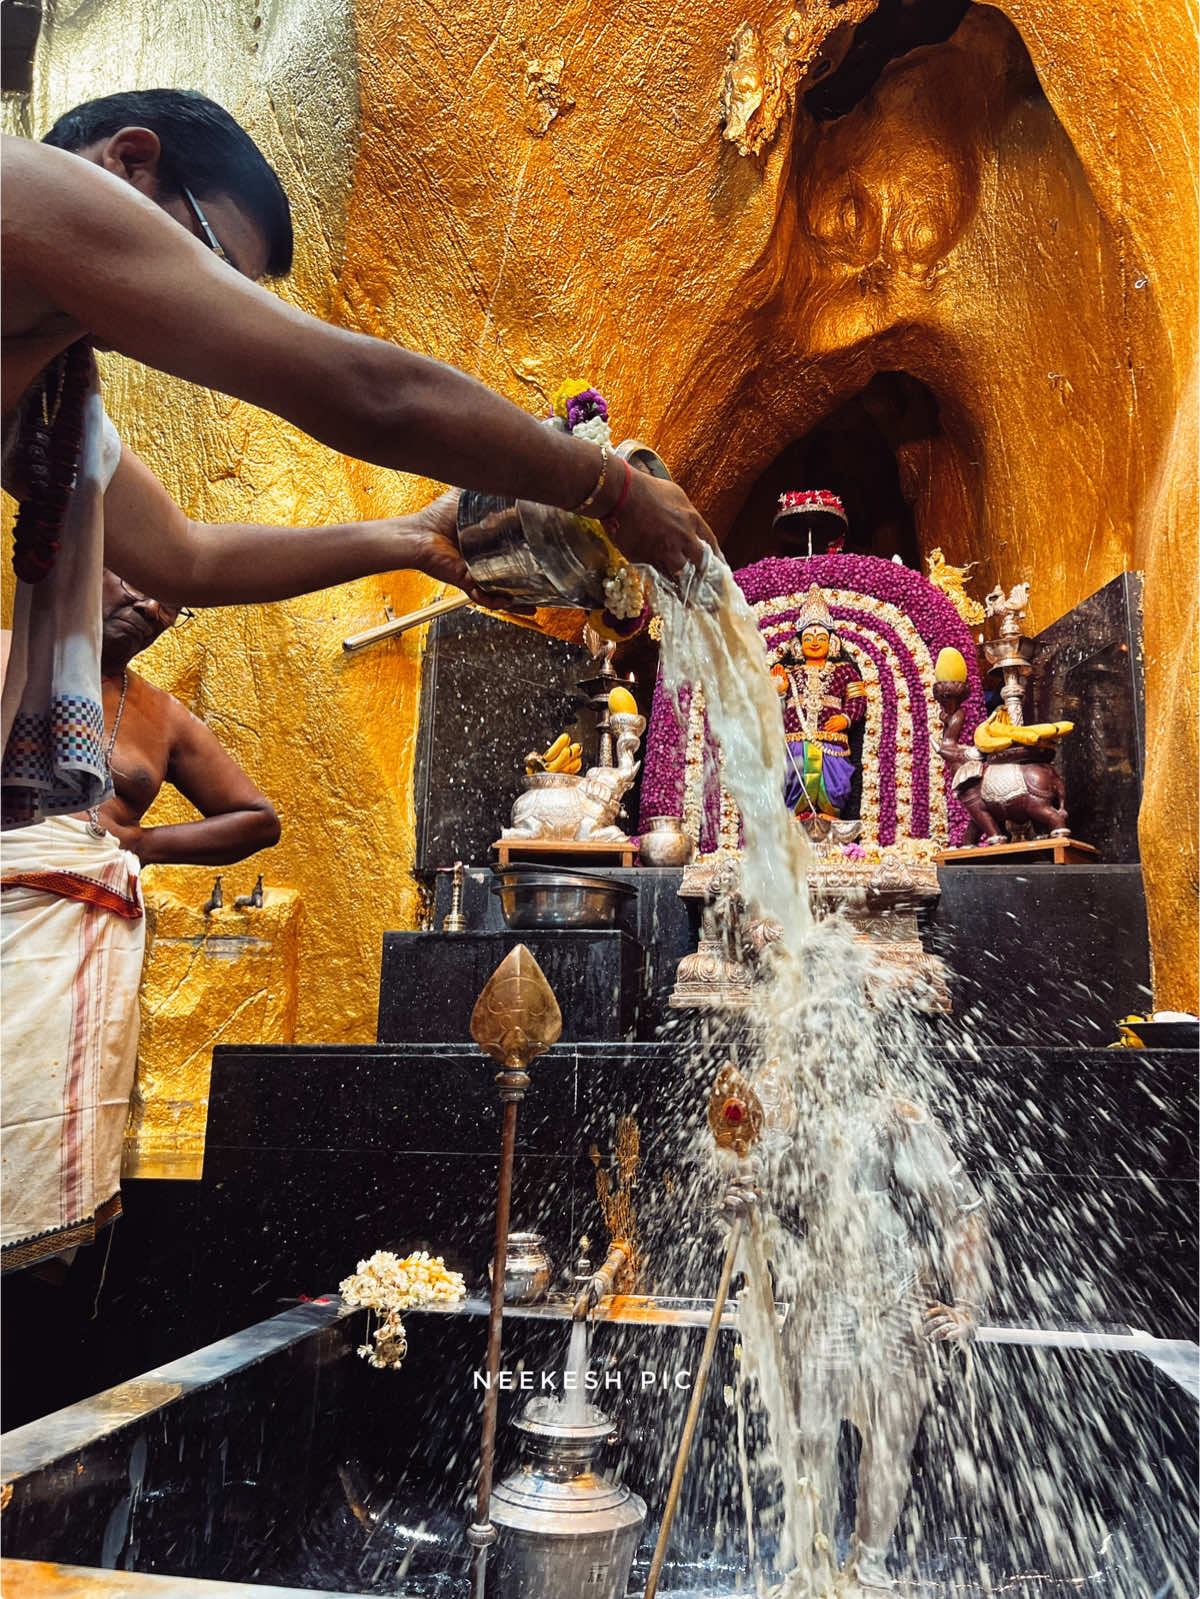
573	1410
720	647
833	1066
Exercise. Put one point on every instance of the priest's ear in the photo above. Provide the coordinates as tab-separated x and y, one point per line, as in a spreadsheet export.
134	154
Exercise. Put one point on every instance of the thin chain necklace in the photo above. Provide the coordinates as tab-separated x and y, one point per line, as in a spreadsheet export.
95	826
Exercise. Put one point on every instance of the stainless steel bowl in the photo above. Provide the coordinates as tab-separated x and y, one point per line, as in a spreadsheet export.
535	896
538	554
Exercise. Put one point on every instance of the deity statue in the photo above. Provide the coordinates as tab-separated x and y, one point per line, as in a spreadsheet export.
823	695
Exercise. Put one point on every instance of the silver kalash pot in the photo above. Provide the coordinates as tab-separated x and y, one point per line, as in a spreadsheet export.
536	554
565	1531
527	1269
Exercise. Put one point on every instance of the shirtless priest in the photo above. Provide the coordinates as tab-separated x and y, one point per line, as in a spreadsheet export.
157	740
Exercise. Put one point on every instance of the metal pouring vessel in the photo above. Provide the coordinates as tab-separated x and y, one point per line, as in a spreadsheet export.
531	554
564	1529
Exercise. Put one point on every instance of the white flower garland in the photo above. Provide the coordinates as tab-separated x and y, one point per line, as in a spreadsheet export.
624	591
387	1284
693	768
597	431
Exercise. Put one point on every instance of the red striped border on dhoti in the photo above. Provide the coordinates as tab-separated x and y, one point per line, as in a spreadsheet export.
73	885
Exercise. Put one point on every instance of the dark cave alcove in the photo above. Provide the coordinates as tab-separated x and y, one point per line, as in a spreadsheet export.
852	452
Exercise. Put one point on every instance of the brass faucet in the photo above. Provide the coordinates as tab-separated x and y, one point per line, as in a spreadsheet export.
252	900
603	1281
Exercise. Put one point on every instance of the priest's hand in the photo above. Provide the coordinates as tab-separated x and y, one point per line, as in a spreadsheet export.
950	1324
656	523
432	535
435	551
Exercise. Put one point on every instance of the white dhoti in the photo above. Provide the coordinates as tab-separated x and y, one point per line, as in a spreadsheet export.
72	937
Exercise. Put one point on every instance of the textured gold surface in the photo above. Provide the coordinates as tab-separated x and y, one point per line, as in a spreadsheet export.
226	978
1008	217
328	738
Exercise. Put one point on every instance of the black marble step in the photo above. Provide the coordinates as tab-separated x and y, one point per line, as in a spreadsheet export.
429	982
1034	954
319	1155
1088	1159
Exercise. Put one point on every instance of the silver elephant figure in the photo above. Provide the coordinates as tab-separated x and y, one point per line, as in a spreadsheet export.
566	809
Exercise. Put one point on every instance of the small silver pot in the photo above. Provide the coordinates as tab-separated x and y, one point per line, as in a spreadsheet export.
664	842
527	1269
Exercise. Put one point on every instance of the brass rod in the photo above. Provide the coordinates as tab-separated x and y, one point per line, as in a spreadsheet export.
693	1415
491	1396
400	624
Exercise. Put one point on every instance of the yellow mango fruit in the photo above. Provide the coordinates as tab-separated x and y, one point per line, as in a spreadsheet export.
950	667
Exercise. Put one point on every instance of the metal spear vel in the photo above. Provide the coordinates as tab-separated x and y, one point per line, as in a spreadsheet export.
515	1019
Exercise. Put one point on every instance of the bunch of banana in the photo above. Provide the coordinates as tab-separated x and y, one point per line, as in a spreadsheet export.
1129	1038
562	756
998	733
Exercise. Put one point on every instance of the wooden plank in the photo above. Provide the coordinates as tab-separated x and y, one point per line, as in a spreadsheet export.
563	850
1062	852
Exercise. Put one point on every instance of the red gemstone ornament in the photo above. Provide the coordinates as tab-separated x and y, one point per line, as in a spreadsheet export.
804	501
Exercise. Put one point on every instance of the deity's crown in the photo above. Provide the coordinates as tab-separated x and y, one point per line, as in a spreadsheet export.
814	612
798	501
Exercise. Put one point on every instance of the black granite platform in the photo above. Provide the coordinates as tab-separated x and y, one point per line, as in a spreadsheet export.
317	1156
1040	954
1035	954
1091	1156
1090	670
277	1457
430	981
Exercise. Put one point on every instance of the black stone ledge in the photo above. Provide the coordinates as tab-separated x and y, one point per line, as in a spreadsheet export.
1122	1113
429	982
1035	954
1039	954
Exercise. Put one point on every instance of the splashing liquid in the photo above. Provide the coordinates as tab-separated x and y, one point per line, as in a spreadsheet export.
814	992
865	1221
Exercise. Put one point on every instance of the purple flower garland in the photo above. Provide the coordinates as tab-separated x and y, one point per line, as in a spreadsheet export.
938	625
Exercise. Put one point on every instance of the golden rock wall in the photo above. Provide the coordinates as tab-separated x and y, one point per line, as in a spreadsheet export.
229	976
1008	217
